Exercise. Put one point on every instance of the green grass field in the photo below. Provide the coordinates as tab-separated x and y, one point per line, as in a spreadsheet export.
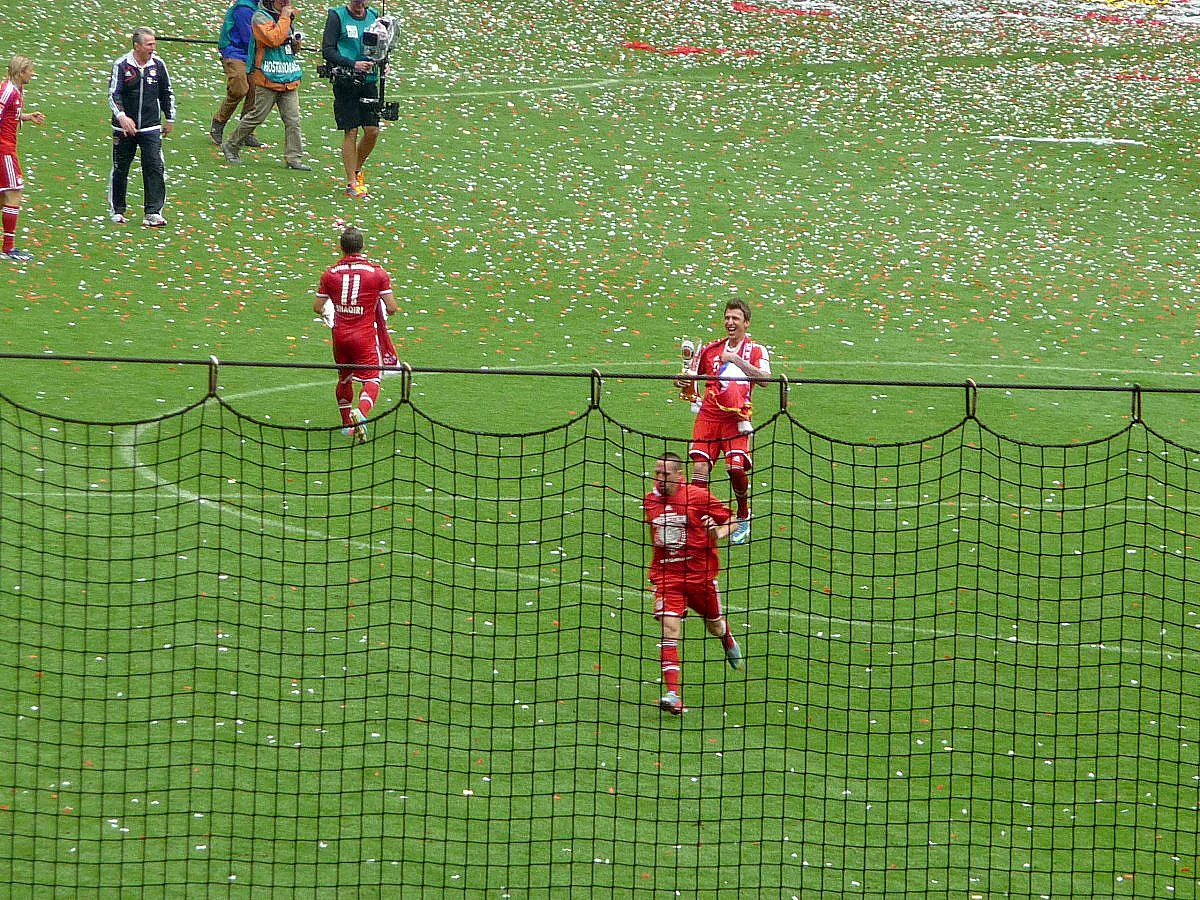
242	657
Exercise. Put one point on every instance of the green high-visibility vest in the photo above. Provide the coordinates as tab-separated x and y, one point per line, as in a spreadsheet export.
350	43
279	64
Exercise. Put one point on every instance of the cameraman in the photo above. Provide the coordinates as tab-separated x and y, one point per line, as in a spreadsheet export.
355	79
276	75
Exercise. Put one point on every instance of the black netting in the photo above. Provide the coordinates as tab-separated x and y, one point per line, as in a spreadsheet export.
244	657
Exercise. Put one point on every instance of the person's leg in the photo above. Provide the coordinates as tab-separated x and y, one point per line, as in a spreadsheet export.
124	149
350	154
368	397
10	210
264	102
719	628
739	481
345	396
293	140
237	90
718	625
370	134
737	462
704	449
668	655
154	182
248	103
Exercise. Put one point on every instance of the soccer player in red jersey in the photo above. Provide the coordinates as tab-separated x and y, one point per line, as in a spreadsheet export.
12	181
685	523
723	424
355	298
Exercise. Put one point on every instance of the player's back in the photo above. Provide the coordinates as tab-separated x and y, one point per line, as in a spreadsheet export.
354	285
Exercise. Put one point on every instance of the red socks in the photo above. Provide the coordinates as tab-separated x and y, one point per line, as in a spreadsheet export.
8	216
366	400
345	399
740	482
669	656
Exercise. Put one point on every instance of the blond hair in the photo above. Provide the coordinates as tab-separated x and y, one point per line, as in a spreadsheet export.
17	65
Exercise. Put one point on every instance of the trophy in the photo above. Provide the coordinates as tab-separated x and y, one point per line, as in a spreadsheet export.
687	387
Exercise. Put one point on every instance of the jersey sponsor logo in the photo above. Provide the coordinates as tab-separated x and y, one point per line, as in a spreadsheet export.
670	531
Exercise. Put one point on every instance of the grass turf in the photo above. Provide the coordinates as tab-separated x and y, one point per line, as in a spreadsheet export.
287	706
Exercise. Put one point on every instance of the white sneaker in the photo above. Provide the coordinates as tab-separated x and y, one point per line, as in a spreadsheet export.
118	218
672	704
154	220
741	534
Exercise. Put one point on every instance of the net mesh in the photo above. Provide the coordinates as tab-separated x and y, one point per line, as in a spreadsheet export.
236	656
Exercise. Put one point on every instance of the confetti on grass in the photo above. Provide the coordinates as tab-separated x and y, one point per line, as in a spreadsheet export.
739	6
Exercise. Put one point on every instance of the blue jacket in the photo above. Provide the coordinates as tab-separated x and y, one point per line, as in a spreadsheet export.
235	30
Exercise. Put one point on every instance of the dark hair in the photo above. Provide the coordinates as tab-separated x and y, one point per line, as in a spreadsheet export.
739	304
351	241
672	457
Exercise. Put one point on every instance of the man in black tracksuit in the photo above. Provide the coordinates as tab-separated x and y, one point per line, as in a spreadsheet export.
143	109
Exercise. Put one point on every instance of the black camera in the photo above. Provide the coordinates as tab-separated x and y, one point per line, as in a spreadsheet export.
388	111
341	74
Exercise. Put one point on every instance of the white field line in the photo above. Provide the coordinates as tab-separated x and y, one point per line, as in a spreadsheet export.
919	630
448	94
1083	139
128	451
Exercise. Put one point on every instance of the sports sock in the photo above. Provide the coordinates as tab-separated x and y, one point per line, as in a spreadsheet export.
699	479
345	399
741	491
8	215
366	400
669	657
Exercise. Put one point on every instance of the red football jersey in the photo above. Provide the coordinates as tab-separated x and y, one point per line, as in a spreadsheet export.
354	286
11	101
731	393
679	527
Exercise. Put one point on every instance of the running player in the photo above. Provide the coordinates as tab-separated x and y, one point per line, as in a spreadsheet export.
355	298
685	523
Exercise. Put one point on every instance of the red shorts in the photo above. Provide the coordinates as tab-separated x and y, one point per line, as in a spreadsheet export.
358	351
11	176
713	437
674	598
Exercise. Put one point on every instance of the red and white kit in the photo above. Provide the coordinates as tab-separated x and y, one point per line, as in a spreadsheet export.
685	566
360	335
723	423
11	101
